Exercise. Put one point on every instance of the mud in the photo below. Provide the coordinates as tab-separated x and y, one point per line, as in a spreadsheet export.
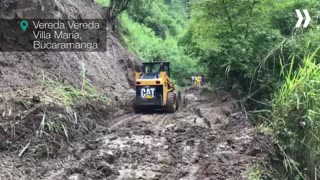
208	139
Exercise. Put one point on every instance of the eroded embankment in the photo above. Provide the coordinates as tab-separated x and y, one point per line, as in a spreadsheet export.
207	139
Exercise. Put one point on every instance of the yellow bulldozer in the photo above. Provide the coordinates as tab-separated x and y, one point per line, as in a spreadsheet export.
154	89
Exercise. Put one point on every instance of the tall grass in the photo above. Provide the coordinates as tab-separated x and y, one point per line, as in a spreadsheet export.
84	77
296	121
69	96
103	3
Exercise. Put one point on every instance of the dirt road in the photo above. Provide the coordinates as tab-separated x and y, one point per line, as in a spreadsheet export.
207	139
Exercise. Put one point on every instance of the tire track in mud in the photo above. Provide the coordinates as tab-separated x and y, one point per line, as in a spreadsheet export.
203	141
208	139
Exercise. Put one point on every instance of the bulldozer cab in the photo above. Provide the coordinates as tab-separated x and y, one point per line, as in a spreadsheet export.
151	69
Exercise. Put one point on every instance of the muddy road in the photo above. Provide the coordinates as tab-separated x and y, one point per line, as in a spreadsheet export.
207	139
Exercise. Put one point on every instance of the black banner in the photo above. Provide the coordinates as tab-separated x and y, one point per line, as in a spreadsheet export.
53	35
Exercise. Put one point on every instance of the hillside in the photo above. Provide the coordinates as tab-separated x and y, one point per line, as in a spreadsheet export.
106	71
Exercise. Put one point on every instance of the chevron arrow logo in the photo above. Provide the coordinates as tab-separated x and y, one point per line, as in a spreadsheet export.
300	18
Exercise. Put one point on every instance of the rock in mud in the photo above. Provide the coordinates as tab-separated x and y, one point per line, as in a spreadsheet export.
75	177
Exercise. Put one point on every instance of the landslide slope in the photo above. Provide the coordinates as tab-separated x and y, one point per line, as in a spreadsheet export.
109	71
36	121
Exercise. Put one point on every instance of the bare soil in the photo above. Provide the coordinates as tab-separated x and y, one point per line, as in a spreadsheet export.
110	72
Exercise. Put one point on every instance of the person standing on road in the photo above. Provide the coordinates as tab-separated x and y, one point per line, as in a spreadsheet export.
198	81
193	79
202	80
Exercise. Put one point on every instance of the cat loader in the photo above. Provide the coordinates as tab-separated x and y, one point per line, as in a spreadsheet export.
154	89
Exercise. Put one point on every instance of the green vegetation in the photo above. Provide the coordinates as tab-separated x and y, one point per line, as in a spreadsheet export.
250	46
153	29
240	42
68	96
254	173
103	3
51	126
296	120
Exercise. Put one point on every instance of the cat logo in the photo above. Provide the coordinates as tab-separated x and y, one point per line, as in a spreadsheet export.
148	93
